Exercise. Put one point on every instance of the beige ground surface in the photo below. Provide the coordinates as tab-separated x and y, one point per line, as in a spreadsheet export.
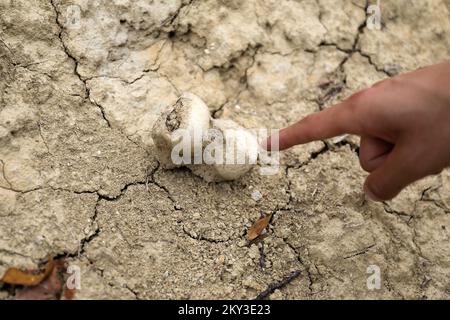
78	177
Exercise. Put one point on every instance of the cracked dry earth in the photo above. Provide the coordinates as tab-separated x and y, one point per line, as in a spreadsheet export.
78	176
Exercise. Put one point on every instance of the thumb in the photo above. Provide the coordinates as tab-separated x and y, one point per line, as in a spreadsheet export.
397	172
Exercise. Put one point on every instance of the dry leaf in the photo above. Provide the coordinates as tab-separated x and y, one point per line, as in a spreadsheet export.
258	227
27	278
69	294
51	287
48	289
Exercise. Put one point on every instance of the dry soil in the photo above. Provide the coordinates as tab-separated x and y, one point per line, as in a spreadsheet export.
79	179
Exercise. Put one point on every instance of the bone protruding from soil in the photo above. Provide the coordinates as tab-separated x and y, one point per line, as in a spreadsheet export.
215	149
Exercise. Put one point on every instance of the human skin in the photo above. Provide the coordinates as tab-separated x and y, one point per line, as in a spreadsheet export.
404	125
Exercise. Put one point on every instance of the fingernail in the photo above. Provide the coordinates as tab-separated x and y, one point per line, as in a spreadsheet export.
370	195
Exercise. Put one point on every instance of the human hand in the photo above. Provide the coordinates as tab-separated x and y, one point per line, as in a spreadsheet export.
404	125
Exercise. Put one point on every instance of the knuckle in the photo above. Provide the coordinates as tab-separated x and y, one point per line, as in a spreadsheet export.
361	96
360	99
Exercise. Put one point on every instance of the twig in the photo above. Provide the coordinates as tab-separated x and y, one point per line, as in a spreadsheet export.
278	285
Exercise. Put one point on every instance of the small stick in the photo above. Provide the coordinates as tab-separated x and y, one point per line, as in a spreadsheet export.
278	285
262	256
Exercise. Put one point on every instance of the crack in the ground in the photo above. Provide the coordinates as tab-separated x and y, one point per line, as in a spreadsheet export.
76	64
302	263
425	197
313	155
336	86
373	64
244	78
415	248
80	252
5	178
65	49
327	147
202	237
87	91
134	292
339	82
250	51
170	20
43	139
361	28
387	208
101	108
151	178
416	244
153	68
86	240
360	252
360	51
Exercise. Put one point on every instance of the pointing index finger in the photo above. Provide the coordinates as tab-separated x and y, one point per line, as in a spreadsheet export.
331	122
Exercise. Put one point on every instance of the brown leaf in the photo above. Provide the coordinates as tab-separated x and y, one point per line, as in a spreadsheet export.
258	227
27	278
54	287
49	289
69	294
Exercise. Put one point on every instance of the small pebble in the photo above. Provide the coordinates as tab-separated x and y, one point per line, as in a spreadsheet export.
256	195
